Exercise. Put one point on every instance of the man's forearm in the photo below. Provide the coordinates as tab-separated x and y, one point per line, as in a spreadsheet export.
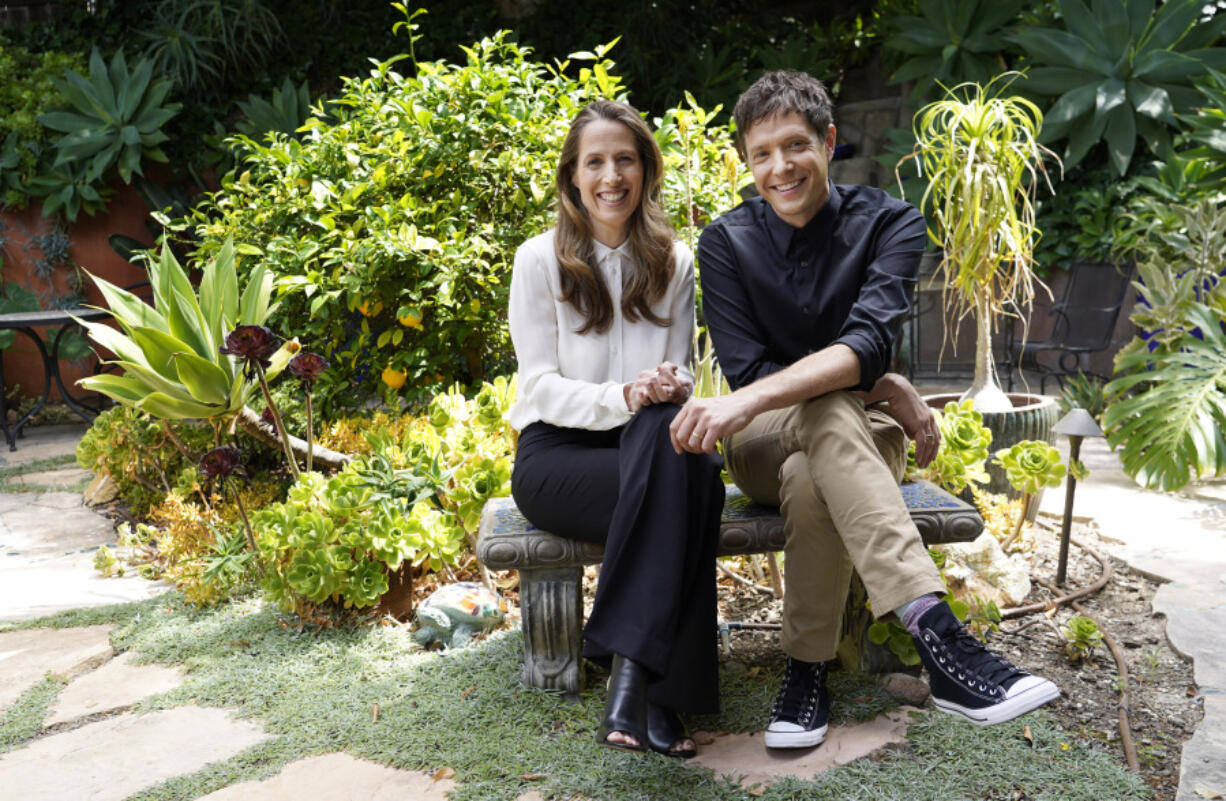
832	368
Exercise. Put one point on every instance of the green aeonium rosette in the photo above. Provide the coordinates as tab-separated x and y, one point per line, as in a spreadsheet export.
964	449
1031	465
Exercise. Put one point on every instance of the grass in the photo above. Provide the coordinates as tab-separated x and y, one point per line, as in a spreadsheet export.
24	717
468	711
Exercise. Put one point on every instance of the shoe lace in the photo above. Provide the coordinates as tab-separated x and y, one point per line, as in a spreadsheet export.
798	696
986	665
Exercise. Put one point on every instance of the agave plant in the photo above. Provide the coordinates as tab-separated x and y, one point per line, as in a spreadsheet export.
289	108
115	117
952	41
1120	70
170	352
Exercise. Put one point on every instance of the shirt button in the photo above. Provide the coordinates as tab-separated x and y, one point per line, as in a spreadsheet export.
804	309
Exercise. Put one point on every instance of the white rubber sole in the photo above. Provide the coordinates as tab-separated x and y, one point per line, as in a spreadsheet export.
795	739
1022	699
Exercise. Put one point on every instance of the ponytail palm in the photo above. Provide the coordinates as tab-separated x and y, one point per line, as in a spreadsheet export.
980	154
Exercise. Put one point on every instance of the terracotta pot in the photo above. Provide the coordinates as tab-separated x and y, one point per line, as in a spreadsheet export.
1032	417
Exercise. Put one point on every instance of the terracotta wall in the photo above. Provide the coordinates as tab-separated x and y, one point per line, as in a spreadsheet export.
90	250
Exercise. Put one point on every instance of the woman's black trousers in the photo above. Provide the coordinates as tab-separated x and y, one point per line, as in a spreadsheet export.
658	516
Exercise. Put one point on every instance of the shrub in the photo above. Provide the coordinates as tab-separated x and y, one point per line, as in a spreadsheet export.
390	232
27	90
145	457
391	229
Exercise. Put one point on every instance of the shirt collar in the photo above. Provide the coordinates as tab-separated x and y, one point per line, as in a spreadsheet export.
781	233
603	251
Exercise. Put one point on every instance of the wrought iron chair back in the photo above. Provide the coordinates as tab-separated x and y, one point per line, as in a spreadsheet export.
1084	320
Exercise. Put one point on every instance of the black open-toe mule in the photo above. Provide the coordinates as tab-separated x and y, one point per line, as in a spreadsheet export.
625	709
664	727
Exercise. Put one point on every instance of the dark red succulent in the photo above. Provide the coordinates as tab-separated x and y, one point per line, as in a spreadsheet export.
307	366
254	344
267	417
221	462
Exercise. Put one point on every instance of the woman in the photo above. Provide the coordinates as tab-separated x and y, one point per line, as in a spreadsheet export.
602	315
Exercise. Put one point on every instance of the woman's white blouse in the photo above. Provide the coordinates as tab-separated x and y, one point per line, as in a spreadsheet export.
574	380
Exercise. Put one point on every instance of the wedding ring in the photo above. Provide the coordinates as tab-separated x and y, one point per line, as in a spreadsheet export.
930	436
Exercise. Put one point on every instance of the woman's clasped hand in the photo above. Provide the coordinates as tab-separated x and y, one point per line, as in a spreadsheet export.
661	384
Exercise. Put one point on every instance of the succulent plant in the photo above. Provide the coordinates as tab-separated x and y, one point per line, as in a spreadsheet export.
254	344
115	117
221	462
1031	465
307	366
171	352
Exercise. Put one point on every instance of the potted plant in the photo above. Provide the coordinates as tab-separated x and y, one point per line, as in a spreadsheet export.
980	153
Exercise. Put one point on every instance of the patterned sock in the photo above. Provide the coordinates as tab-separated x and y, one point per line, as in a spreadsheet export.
910	612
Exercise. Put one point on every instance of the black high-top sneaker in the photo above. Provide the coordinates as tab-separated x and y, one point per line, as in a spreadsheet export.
802	708
969	680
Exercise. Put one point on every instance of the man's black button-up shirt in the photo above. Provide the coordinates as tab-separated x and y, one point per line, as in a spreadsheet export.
772	294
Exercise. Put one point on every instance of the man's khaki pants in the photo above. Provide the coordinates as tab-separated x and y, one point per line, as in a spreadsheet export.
833	468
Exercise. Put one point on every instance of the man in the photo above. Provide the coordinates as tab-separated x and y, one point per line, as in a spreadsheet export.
804	288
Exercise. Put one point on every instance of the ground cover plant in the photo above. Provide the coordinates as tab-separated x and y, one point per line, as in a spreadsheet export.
315	692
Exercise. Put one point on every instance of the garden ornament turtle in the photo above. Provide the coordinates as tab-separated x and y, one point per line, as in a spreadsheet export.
454	613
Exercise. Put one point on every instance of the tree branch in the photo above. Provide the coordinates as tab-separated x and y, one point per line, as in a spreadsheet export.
251	423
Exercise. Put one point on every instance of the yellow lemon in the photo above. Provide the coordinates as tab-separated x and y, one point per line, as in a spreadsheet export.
394	378
369	309
410	320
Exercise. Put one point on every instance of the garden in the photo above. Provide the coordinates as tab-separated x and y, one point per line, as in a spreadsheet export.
309	219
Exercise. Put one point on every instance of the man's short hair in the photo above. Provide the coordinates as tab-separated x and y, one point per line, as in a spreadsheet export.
780	92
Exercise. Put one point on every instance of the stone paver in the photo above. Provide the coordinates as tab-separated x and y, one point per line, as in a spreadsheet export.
26	656
43	442
115	758
1180	537
338	777
47	546
744	758
64	477
117	684
1203	769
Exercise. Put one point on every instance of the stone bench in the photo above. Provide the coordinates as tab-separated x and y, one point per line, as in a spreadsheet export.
551	567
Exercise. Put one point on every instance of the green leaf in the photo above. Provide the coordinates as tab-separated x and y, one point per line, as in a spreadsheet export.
1121	136
1072	105
126	307
159	349
166	407
114	341
124	389
1172	430
1169	25
1150	101
253	308
204	379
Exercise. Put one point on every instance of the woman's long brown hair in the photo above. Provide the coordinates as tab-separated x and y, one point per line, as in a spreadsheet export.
651	233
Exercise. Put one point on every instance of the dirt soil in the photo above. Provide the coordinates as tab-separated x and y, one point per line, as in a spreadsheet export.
1164	707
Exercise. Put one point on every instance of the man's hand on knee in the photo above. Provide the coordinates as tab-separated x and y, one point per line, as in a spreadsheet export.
912	413
703	422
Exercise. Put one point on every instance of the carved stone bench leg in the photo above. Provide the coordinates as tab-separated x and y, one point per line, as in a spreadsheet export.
552	609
